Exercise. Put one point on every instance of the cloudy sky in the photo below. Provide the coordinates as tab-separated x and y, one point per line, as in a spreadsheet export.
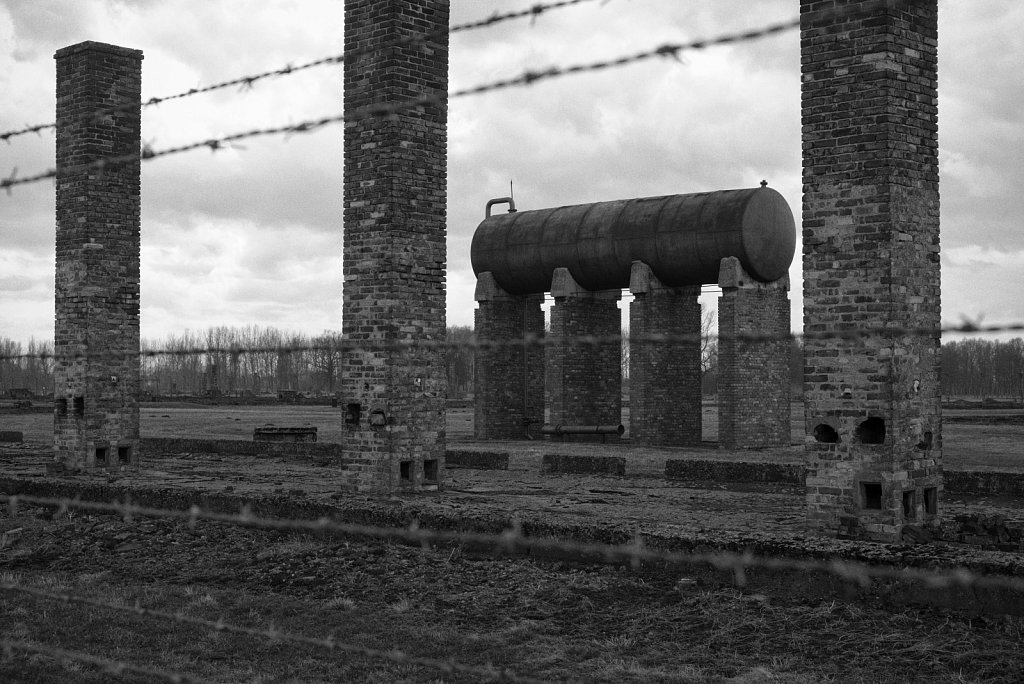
254	234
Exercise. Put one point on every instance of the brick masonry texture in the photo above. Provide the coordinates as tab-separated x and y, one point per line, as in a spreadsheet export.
871	260
754	375
585	379
664	378
508	377
394	245
96	413
586	465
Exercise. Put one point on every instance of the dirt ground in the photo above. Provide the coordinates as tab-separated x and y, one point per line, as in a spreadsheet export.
547	620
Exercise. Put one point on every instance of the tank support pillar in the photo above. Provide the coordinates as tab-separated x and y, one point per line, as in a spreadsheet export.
584	356
508	375
664	376
753	360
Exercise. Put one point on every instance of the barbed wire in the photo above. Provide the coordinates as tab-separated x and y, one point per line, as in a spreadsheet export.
247	82
114	667
513	541
525	79
546	340
396	656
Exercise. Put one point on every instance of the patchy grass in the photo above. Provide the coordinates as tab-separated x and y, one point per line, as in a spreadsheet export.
542	620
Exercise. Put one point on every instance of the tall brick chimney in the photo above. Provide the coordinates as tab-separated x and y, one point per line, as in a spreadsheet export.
871	262
96	336
395	192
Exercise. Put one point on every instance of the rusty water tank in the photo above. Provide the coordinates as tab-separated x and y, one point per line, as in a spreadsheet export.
681	237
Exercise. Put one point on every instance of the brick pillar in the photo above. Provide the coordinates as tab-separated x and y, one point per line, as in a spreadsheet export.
664	377
585	375
96	414
508	378
753	375
871	260
395	184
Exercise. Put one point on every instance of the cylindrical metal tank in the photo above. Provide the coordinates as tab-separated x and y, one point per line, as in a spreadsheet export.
681	237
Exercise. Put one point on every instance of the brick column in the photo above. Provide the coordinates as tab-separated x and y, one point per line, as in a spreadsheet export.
753	375
871	261
664	377
585	376
96	414
508	378
395	184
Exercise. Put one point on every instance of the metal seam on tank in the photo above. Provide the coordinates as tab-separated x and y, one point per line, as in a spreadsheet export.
744	257
549	277
653	238
576	260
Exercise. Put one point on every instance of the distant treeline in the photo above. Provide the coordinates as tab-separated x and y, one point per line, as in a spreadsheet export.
972	367
983	368
290	362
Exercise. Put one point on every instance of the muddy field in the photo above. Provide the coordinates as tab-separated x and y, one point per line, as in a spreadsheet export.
233	604
87	598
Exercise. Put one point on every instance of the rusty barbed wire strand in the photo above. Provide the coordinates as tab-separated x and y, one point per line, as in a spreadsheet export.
411	344
513	540
396	656
527	78
115	667
246	82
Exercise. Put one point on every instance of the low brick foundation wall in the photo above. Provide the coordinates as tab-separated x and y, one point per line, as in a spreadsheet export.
589	465
479	460
284	434
956	481
11	436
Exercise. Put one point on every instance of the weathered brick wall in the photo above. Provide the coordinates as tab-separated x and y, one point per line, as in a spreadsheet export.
585	376
508	377
664	377
871	260
96	413
753	375
394	244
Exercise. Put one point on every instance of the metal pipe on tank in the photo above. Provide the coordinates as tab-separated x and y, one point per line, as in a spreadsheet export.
681	237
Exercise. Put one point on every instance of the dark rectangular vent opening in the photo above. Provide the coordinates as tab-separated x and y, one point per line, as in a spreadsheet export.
79	406
871	495
101	456
124	454
405	471
430	470
931	500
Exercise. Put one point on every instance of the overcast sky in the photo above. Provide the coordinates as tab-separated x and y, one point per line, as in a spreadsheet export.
254	235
